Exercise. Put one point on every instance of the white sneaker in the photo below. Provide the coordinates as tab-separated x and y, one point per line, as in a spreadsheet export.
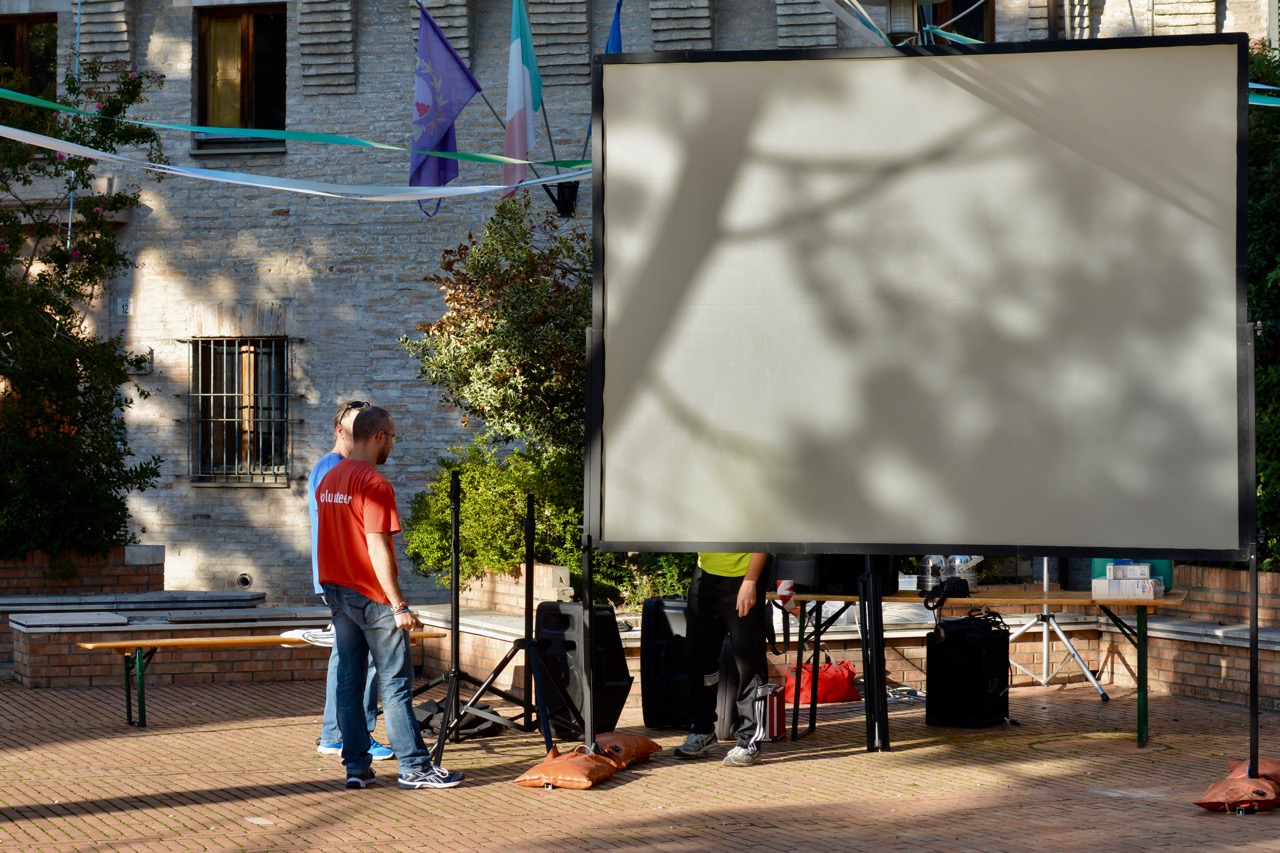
741	756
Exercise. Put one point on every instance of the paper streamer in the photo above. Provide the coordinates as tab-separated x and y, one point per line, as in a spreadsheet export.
352	192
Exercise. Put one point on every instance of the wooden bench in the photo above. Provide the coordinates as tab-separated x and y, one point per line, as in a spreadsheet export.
138	654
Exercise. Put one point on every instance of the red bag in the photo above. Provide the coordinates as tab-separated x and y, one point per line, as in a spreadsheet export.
835	682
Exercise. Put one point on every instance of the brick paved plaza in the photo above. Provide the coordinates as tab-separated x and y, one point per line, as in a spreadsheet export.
232	767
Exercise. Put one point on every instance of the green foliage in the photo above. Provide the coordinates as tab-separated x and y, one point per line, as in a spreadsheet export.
510	348
1264	295
510	352
492	511
62	432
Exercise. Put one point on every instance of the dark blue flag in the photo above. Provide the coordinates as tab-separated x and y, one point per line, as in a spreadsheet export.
442	86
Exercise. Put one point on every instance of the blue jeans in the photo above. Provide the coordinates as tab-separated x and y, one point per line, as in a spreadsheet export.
364	629
329	732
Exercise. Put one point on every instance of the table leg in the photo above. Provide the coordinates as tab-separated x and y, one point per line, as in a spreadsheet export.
140	670
128	688
814	662
1138	637
1142	676
795	699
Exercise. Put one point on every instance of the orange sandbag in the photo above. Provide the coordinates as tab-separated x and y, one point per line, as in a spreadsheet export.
626	749
1235	793
1268	768
577	770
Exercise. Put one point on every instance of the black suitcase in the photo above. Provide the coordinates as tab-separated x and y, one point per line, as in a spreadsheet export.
664	663
967	672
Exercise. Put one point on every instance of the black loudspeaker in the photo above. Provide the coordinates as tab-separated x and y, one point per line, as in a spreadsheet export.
558	631
664	663
967	673
840	573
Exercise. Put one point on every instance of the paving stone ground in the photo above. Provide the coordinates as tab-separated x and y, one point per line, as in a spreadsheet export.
233	767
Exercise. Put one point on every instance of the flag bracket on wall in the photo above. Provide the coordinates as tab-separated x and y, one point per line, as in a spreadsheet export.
565	198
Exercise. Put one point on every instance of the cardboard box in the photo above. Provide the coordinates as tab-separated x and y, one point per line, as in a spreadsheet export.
1128	571
1136	588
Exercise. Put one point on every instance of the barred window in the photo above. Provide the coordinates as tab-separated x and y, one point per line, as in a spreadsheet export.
239	411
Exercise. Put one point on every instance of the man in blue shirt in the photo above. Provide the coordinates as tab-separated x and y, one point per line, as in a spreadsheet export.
330	742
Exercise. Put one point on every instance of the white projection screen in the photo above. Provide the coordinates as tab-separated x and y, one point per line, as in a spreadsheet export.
983	300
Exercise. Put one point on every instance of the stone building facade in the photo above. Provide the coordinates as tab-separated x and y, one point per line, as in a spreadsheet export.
338	282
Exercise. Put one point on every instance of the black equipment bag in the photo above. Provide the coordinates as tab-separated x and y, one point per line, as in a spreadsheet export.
967	672
664	663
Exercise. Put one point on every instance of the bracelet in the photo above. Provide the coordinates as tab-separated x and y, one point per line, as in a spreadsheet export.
403	608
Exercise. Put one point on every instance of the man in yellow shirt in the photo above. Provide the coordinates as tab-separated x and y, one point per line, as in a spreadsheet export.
726	597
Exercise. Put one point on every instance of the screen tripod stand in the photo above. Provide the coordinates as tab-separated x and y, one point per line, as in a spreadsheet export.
538	676
1049	622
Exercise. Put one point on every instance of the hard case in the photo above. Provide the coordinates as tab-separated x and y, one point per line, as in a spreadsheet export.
664	663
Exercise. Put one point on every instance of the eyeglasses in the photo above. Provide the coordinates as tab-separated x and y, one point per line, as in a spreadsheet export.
391	435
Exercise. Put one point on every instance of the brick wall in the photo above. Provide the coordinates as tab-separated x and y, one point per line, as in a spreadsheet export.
52	659
506	593
1222	595
126	569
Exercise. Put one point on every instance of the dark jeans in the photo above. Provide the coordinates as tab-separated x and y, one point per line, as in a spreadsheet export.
364	629
712	614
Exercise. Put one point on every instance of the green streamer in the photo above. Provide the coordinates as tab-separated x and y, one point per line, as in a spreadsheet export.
284	135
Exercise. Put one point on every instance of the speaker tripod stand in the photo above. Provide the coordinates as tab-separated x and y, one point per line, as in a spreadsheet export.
1049	622
539	676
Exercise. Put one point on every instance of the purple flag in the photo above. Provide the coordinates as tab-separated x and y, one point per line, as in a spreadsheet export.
442	86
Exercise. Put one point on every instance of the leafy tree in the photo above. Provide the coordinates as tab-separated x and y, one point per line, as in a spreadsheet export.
510	348
510	351
65	472
1264	294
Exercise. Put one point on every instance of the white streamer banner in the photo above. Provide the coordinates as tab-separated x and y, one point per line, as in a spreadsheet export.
351	192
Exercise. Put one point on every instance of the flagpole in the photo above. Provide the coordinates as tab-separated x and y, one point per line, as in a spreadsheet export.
550	139
532	166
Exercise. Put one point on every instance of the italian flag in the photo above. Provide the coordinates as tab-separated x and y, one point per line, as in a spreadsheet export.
524	96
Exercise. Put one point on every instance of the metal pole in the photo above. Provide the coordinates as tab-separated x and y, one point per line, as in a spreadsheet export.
588	708
1044	630
529	531
1253	660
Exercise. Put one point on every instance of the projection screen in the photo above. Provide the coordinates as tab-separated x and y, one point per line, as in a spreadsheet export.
982	300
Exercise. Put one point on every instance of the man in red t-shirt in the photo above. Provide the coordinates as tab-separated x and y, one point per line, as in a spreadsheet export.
357	567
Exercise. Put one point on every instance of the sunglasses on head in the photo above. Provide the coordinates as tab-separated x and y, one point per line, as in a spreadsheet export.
354	405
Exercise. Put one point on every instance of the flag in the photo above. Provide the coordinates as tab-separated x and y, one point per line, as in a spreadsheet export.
442	86
524	95
614	44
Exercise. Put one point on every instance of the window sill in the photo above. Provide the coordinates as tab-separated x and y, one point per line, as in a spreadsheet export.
238	149
202	483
